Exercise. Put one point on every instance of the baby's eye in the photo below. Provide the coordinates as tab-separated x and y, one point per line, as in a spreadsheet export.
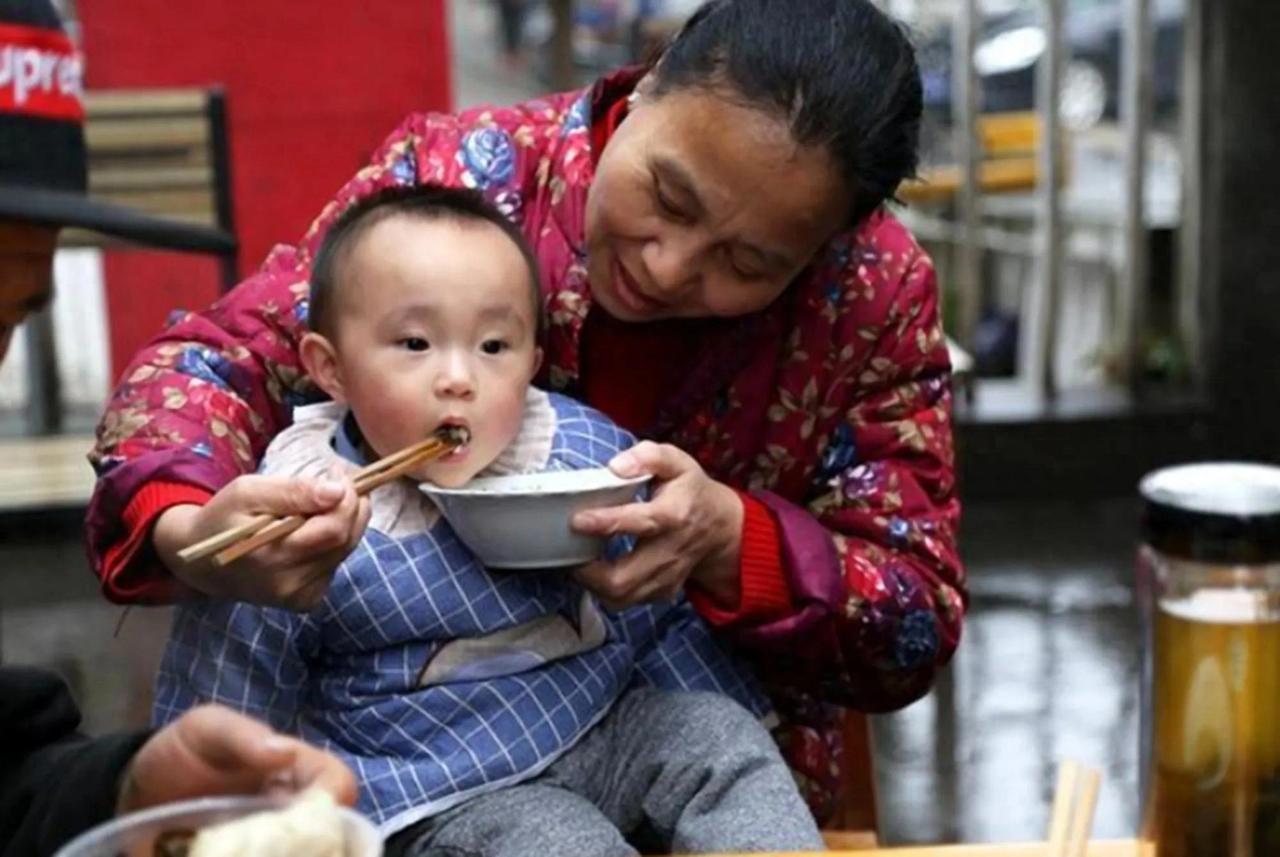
494	346
415	343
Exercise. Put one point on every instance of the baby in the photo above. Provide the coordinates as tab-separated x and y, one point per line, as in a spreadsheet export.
484	712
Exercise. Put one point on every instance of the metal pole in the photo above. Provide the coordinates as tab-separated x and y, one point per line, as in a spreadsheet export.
965	97
1049	176
562	76
1135	112
1191	319
44	389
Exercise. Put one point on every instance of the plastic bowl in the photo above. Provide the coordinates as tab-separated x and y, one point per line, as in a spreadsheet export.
522	521
135	835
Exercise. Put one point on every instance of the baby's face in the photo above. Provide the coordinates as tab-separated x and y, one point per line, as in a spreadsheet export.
434	327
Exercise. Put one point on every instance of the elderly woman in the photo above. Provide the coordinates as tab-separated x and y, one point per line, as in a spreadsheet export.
720	276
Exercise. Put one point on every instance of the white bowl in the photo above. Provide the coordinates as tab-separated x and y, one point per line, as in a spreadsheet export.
135	834
522	521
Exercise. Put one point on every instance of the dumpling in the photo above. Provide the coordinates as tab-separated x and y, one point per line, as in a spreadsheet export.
308	827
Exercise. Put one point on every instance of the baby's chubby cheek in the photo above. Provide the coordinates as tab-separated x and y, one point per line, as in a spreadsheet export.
505	422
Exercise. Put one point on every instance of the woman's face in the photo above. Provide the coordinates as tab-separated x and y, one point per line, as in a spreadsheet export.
704	207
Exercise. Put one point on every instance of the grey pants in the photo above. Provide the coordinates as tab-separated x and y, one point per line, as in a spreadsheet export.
670	772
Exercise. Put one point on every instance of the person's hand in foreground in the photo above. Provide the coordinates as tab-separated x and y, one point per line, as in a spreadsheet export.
212	751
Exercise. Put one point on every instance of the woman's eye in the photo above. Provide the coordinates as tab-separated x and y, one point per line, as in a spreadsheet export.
667	205
494	346
415	343
742	272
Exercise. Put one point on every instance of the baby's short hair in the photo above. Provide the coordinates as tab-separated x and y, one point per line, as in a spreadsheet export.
427	202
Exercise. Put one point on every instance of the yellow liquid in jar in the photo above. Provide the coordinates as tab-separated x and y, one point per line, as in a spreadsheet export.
1216	750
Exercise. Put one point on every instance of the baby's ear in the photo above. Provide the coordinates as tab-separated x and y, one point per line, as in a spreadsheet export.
537	364
320	359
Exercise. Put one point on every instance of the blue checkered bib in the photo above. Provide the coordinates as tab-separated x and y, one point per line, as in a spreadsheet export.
433	677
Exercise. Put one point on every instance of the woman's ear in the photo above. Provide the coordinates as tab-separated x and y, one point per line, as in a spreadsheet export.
320	359
645	86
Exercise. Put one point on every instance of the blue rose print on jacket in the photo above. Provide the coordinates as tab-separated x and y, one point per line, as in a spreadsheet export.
841	251
405	169
917	640
899	530
840	454
833	294
578	115
489	156
207	365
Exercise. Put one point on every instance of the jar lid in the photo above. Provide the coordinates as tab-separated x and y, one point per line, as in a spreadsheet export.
1215	511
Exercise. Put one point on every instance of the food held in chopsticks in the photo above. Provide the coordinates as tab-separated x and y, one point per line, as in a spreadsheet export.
232	544
456	432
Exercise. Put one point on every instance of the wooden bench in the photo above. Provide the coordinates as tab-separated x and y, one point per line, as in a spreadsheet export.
45	473
1009	144
162	151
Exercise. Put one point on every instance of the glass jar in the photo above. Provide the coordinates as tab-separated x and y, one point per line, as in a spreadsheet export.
1209	590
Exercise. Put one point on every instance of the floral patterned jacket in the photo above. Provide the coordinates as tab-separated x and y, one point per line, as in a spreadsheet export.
832	406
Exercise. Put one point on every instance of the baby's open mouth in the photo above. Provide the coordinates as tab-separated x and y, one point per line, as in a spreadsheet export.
456	433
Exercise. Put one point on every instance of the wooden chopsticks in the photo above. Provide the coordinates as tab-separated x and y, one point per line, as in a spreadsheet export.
231	544
1074	801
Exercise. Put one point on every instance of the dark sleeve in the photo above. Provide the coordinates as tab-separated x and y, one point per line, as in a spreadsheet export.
54	782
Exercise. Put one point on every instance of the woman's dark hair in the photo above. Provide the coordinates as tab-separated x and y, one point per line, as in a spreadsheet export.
842	72
426	202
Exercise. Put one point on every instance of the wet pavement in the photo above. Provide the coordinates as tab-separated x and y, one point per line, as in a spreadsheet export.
1047	669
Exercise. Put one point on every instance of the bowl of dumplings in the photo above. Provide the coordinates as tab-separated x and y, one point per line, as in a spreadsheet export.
309	825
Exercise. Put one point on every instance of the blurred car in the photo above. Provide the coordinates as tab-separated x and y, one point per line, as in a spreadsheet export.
1011	43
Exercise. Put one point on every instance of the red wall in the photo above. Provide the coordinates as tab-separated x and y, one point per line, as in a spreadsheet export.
312	88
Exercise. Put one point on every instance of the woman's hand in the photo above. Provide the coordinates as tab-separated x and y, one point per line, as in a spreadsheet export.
293	572
690	529
212	750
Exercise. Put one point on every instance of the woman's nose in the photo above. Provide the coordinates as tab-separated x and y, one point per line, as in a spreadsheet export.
672	262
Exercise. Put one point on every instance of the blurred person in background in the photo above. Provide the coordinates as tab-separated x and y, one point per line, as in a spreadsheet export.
55	782
511	18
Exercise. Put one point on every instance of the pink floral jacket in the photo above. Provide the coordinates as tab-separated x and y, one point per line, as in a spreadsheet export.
832	406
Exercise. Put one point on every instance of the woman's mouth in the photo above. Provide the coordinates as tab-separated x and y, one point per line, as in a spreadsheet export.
628	292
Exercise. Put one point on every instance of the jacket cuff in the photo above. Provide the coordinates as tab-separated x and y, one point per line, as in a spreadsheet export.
762	576
131	571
